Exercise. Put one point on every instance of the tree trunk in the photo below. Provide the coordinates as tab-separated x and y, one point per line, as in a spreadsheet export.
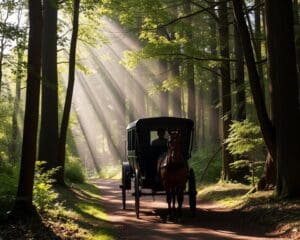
48	141
258	36
297	39
163	95
14	150
190	69
239	78
176	94
214	91
69	95
268	130
14	147
200	117
283	66
23	201
268	179
1	64
226	85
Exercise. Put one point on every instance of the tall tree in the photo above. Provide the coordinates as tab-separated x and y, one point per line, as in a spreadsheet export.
163	95
214	87
283	66
48	140
239	78
23	201
190	65
266	125
176	94
258	38
20	49
283	74
226	83
69	94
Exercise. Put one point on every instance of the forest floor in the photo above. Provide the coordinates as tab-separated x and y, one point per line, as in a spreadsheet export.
79	215
223	212
259	216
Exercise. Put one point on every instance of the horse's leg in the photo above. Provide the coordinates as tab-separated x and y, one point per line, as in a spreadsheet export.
180	195
169	199
173	201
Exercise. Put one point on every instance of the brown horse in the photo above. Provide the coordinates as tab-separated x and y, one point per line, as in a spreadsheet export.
173	172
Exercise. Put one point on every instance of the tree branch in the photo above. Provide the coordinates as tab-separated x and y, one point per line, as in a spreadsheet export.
197	58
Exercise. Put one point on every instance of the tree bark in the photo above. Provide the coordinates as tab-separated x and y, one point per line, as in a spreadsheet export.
214	90
14	147
268	179
190	69
176	94
69	95
268	130
283	66
48	140
23	201
258	36
226	85
163	95
239	78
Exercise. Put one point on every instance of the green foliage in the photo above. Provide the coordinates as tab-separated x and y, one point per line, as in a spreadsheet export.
245	140
74	170
5	130
43	193
201	159
111	172
244	137
8	187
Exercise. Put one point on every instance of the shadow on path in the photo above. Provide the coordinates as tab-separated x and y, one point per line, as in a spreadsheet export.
210	222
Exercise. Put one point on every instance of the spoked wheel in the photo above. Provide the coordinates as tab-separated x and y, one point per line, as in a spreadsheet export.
123	188
192	191
137	193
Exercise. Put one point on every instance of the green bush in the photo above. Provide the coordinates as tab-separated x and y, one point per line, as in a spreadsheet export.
43	193
111	172
74	170
245	141
206	163
8	188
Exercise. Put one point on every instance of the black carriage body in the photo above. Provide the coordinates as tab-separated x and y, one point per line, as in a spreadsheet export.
142	157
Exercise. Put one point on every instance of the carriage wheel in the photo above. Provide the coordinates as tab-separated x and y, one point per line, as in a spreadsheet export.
123	188
137	193
192	191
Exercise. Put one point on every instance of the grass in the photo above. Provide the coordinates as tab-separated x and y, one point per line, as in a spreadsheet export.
225	194
78	214
83	210
280	216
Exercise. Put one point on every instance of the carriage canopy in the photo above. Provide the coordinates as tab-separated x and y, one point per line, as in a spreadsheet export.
142	131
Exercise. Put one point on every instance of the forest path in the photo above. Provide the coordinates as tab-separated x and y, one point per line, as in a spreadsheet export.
210	222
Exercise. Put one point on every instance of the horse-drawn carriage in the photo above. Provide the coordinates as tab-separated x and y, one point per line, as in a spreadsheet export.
141	164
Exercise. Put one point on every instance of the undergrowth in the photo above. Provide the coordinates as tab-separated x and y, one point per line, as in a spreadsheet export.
110	172
206	163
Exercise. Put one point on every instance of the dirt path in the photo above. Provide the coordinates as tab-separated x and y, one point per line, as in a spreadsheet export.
209	223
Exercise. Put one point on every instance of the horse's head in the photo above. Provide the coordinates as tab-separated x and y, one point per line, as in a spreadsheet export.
175	146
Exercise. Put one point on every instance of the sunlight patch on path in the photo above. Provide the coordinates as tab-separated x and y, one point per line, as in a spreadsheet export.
151	225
